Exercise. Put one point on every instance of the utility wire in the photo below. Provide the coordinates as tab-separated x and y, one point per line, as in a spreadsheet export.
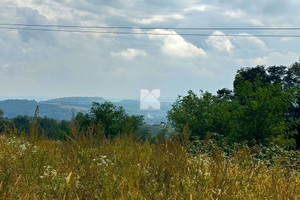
133	27
146	33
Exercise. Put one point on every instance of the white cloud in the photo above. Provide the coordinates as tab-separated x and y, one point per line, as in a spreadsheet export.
288	39
49	9
234	14
54	11
247	41
221	43
199	8
56	59
129	54
175	45
274	58
255	22
243	42
114	12
158	18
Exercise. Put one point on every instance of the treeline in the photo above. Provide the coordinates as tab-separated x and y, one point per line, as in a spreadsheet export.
104	120
48	127
262	109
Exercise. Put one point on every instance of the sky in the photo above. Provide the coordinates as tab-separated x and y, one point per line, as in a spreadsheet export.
59	64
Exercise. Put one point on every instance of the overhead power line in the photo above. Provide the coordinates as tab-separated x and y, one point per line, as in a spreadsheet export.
145	28
87	29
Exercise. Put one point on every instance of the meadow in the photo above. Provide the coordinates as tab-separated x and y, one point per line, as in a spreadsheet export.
90	167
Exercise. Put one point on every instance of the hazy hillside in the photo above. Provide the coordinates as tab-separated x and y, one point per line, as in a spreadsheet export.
13	108
151	116
63	108
75	101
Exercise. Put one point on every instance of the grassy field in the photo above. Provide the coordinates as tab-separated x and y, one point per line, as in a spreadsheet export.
92	168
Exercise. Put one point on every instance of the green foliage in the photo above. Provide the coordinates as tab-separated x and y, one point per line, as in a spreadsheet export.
113	119
203	114
1	120
22	123
225	93
260	113
289	80
42	126
251	74
264	108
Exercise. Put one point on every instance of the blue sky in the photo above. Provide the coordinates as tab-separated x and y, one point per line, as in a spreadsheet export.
56	64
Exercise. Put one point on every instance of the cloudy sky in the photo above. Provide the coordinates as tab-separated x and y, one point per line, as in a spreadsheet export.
55	64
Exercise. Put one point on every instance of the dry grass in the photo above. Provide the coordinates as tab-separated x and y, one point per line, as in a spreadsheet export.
127	169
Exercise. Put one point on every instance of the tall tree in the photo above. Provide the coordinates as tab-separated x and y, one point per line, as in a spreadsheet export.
202	114
263	108
261	116
112	118
251	74
276	74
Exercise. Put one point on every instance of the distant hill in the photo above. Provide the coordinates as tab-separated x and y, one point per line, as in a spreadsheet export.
63	108
13	108
75	101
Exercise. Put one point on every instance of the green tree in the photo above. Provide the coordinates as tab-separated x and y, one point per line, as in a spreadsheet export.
112	118
292	77
49	127
256	111
260	113
276	74
84	120
287	77
203	114
1	120
22	123
251	74
225	93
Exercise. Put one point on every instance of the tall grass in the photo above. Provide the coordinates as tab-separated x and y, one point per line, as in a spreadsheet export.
123	168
